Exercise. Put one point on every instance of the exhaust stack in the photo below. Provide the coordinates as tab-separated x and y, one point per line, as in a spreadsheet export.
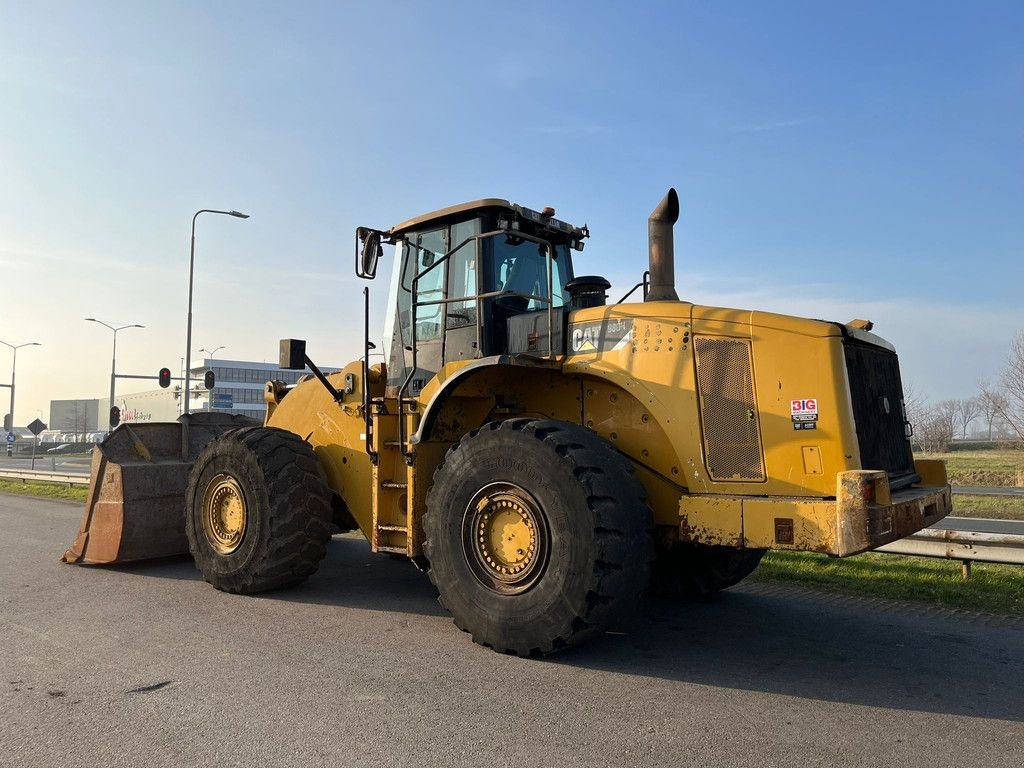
659	236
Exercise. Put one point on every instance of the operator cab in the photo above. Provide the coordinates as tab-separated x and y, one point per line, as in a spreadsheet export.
476	280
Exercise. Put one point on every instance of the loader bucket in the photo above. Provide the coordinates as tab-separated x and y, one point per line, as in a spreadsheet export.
136	504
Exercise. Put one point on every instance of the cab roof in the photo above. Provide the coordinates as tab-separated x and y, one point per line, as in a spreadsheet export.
452	211
493	204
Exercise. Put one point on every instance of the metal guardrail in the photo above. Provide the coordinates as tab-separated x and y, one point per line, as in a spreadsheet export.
39	476
967	546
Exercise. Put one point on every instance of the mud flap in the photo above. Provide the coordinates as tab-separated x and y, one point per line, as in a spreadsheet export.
136	504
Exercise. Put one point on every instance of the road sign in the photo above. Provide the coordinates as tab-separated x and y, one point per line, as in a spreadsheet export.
223	400
36	427
10	438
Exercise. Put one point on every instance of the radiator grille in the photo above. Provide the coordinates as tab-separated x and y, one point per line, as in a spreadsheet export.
725	385
877	395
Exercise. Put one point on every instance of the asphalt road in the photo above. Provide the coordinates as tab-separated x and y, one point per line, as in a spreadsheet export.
58	463
982	525
988	490
149	666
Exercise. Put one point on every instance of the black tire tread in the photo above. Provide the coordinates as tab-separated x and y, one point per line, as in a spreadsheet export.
621	523
300	512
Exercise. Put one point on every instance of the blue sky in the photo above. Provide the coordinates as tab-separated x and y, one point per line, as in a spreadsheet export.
839	162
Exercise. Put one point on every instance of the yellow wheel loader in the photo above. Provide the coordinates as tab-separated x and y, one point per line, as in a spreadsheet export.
546	456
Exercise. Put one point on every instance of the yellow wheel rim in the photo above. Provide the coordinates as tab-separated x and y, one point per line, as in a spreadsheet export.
505	538
224	514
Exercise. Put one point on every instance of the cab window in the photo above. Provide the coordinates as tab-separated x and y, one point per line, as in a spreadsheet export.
521	266
462	274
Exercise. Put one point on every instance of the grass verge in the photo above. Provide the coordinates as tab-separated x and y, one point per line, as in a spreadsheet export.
995	467
994	460
44	490
996	507
992	588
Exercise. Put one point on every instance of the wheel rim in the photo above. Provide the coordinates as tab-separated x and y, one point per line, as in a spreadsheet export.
224	514
505	538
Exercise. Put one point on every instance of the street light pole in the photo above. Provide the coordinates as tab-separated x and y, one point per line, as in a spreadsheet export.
113	358
14	365
209	397
186	391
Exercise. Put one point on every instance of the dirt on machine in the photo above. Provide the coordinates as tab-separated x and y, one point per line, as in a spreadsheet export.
545	455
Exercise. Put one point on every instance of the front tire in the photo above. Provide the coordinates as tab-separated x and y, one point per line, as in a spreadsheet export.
538	535
257	511
699	570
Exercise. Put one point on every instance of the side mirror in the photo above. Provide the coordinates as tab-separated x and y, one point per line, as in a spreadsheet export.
372	250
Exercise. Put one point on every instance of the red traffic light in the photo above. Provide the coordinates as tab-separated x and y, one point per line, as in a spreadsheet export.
165	377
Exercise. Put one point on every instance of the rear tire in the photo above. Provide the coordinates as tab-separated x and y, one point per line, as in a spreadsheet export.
538	535
700	571
258	511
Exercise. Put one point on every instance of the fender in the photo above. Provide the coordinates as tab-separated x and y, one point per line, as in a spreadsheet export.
452	382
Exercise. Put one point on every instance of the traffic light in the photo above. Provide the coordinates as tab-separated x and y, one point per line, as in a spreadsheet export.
115	416
165	377
7	422
209	380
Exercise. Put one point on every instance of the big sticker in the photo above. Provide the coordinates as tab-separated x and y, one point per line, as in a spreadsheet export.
804	413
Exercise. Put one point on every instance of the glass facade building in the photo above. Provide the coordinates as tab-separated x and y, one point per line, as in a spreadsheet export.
239	385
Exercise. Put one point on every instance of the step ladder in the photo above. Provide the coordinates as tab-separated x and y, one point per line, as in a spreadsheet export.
391	499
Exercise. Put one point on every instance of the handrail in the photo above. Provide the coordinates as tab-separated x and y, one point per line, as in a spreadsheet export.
646	282
367	416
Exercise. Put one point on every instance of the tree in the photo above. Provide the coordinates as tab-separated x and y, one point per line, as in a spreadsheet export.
936	427
915	405
966	412
1008	400
991	403
1013	386
918	412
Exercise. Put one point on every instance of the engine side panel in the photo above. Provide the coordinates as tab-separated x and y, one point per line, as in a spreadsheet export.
721	385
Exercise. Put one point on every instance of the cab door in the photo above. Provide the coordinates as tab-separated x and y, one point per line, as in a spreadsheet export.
462	323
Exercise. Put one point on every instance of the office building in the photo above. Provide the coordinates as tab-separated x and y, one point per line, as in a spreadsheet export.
239	385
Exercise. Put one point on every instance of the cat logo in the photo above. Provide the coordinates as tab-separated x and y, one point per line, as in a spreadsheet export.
600	336
583	340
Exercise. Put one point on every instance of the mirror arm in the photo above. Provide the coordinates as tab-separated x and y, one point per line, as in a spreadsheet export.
338	397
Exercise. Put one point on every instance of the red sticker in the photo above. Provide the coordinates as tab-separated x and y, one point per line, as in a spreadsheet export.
803	407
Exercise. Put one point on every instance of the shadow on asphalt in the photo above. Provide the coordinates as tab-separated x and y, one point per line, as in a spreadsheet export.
822	648
178	567
805	645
